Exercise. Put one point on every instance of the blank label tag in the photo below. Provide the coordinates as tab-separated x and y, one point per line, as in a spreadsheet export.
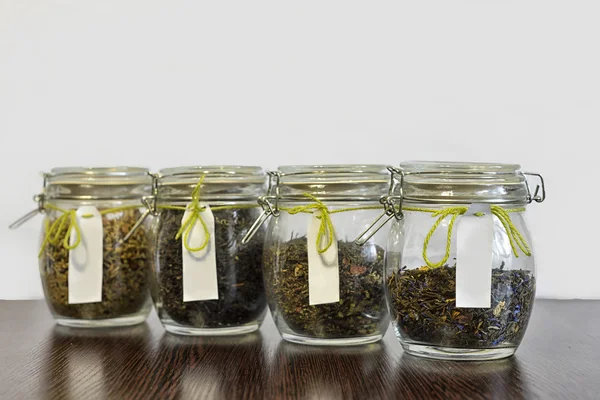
200	267
85	261
475	236
323	269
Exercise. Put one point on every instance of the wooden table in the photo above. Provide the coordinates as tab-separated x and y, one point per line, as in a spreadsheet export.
559	358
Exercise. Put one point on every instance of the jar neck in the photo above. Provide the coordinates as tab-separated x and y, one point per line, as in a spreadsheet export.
210	201
105	203
441	205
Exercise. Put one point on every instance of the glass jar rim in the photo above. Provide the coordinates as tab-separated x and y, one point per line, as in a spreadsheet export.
97	183
98	175
220	182
447	182
212	170
337	170
333	182
424	167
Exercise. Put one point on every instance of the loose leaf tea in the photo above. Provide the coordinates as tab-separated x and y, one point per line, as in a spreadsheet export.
239	273
361	307
424	308
125	272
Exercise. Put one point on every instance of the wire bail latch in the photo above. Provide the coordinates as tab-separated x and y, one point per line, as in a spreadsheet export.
536	194
40	199
269	209
392	206
150	203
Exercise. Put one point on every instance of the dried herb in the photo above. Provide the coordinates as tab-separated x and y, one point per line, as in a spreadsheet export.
361	308
424	308
124	276
239	272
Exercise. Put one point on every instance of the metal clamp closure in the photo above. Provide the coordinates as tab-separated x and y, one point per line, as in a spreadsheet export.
40	199
536	194
392	206
150	203
269	208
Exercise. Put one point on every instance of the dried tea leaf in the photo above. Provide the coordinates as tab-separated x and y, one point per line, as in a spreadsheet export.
361	309
239	273
125	276
424	308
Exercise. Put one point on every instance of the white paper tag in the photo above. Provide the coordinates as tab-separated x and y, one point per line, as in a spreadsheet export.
323	269
200	267
85	261
474	240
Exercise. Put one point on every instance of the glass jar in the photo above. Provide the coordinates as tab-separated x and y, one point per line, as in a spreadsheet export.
117	294
338	301
460	270
227	194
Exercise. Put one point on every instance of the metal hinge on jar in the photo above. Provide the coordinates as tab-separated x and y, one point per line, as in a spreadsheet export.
150	203
269	209
392	203
392	206
40	200
536	194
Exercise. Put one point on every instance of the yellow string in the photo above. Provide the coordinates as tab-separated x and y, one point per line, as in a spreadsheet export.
195	216
65	223
217	208
326	226
515	237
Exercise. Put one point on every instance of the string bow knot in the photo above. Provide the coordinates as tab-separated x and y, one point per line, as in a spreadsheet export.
61	227
515	237
326	226
194	217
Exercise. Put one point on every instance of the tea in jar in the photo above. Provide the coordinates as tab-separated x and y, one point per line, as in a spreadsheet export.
460	271
322	288
206	281
91	276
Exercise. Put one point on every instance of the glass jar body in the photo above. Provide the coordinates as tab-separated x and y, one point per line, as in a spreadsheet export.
360	315
125	267
241	303
422	297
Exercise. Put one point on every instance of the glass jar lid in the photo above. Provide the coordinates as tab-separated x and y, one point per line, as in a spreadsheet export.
97	183
220	182
333	182
464	183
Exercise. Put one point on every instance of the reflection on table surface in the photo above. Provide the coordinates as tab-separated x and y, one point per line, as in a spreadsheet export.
41	360
331	373
147	362
228	367
484	379
84	361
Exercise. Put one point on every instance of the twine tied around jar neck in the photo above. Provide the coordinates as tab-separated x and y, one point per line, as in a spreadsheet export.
515	237
63	225
326	226
196	216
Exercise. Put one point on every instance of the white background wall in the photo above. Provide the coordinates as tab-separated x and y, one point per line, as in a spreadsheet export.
167	83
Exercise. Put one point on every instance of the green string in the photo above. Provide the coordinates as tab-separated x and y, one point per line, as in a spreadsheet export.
515	237
326	226
196	216
62	226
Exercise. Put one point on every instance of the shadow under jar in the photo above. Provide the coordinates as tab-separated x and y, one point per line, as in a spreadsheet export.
108	286
322	288
460	268
217	290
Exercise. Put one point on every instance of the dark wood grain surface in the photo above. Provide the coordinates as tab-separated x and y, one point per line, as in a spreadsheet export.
559	359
